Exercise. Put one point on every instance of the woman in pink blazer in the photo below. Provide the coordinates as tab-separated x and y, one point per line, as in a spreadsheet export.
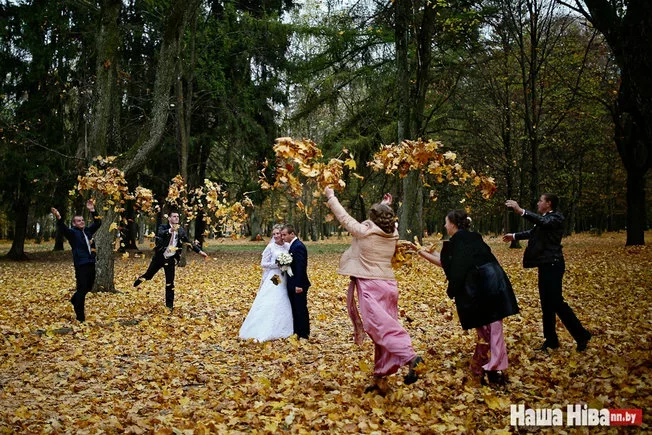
369	264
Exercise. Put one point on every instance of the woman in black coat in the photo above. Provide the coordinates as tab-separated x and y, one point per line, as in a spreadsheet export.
482	292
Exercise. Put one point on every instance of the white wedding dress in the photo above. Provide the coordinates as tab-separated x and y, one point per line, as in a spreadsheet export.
270	316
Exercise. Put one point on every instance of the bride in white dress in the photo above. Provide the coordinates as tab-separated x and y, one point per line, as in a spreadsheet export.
270	316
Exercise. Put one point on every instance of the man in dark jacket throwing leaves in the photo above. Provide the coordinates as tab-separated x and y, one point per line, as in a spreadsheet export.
544	252
170	238
81	241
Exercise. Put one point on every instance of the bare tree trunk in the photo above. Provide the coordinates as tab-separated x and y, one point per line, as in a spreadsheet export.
255	222
408	217
634	142
104	241
21	214
183	115
131	230
628	32
200	225
108	42
137	156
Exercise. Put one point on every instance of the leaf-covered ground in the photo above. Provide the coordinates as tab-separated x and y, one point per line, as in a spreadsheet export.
135	368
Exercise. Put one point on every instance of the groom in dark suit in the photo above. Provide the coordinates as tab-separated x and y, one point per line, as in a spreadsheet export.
298	283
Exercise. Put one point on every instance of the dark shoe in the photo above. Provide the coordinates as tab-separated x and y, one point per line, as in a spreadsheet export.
496	377
379	386
375	389
546	345
581	345
169	298
138	282
79	311
412	375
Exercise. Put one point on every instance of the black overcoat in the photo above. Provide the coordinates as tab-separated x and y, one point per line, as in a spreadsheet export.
482	291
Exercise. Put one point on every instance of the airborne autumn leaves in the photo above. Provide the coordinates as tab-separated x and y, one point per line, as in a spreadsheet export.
134	368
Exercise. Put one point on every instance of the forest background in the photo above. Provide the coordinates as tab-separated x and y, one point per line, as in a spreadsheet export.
540	95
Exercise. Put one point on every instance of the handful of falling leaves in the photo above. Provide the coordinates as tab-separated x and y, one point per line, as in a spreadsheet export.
405	252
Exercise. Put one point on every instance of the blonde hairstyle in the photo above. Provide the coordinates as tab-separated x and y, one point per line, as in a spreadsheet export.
383	216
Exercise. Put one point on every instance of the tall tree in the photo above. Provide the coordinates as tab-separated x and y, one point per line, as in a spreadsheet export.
521	94
536	26
412	202
627	27
172	32
37	76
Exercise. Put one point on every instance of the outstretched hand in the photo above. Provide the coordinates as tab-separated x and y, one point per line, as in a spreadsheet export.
510	203
90	205
56	213
329	192
387	199
411	247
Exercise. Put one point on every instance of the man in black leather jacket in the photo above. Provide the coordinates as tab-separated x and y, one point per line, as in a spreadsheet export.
544	251
170	238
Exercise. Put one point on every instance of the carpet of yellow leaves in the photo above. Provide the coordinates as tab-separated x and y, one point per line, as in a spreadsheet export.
135	368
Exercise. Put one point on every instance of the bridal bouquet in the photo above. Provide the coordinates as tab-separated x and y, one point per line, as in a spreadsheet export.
284	260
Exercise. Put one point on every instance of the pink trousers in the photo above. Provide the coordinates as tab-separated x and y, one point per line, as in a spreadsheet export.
490	349
378	317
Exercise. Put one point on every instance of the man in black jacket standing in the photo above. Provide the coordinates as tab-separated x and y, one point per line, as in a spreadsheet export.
544	251
170	238
81	241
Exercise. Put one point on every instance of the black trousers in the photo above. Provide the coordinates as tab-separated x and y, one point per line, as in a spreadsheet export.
85	278
553	304
300	315
168	265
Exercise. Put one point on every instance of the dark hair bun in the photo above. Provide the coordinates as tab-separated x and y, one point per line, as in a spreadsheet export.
383	216
460	219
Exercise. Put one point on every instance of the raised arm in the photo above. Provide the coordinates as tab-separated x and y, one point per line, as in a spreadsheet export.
549	220
348	222
97	222
63	229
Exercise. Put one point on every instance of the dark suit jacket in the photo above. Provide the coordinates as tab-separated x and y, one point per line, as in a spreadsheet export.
544	240
163	240
75	236
299	266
